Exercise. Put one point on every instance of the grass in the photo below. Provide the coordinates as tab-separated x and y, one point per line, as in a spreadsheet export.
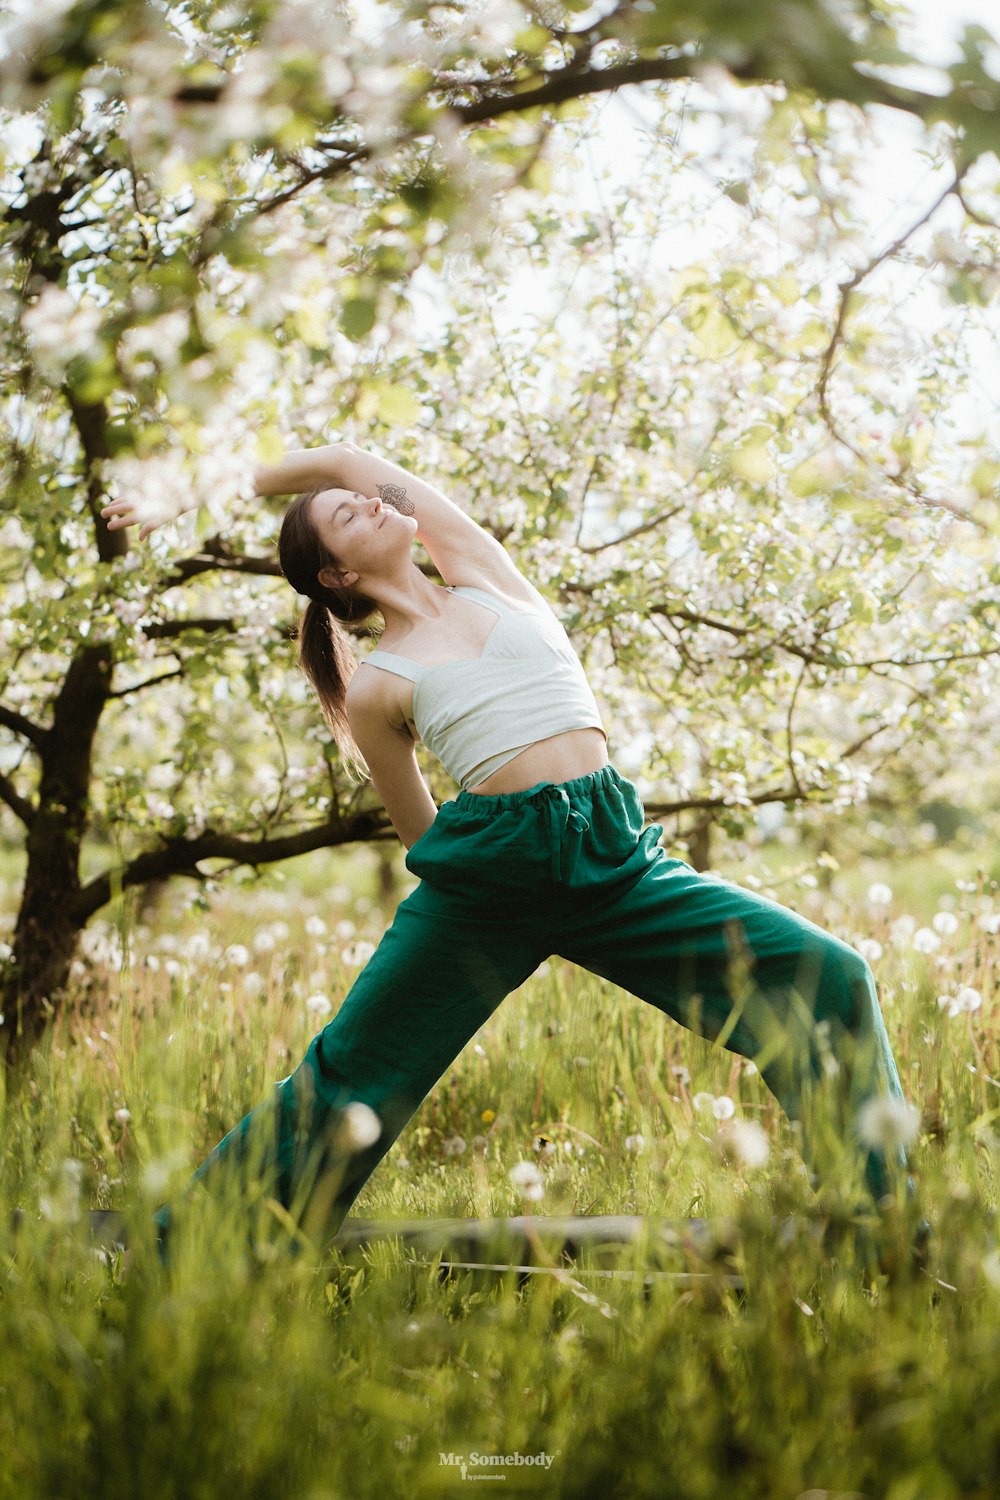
234	1373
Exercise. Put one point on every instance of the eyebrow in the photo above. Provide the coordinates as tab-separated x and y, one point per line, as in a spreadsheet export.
336	511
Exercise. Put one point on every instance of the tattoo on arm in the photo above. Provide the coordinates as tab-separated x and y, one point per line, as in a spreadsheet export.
396	496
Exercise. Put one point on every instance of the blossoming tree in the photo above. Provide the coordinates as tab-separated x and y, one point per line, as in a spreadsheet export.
737	478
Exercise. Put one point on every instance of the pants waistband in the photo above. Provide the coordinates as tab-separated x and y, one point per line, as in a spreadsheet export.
578	788
562	805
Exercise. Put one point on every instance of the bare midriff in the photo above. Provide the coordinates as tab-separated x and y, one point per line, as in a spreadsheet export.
562	757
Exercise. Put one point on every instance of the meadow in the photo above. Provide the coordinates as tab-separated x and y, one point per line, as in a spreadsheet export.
234	1372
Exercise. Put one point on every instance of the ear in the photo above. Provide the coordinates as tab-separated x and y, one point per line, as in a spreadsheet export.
331	578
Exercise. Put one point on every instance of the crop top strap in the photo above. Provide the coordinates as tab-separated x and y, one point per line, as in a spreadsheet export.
402	665
500	605
415	670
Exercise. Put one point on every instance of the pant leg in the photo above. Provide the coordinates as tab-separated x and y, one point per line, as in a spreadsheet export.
434	978
758	978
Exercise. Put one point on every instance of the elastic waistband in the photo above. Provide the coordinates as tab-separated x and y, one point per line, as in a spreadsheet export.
580	786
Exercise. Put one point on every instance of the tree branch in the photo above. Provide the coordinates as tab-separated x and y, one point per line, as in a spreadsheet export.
661	809
11	719
149	682
166	629
847	288
571	82
180	856
17	804
216	557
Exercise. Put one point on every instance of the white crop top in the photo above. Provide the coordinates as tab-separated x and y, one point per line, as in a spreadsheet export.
476	714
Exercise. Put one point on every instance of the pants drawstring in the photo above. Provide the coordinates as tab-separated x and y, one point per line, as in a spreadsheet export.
561	816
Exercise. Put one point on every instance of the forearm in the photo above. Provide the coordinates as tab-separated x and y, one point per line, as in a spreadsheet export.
303	469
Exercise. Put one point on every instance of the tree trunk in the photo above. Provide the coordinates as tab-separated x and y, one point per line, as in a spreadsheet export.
50	920
699	842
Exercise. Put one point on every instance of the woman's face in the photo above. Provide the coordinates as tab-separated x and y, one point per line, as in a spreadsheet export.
365	536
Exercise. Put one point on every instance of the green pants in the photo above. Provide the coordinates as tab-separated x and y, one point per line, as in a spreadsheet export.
568	869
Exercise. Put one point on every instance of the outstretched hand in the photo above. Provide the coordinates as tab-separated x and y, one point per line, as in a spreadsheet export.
146	514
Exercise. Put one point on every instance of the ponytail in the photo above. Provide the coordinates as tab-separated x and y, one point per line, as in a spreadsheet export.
325	653
326	657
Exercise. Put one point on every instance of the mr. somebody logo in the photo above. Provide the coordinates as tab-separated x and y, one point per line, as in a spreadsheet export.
496	1463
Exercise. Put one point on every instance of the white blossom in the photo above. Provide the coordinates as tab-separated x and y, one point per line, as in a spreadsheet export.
59	328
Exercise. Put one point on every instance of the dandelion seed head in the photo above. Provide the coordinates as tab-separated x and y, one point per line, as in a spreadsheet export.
902	930
965	999
528	1179
885	1124
356	954
359	1127
749	1142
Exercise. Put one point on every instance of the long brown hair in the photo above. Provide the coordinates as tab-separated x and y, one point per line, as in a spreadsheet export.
325	653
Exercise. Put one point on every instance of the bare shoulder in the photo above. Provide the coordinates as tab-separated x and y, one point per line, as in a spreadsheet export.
373	698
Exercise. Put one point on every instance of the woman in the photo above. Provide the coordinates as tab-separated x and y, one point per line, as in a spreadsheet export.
542	852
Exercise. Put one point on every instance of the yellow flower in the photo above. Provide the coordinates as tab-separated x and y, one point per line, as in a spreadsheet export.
487	1116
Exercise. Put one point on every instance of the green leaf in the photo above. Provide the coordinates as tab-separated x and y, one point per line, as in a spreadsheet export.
357	316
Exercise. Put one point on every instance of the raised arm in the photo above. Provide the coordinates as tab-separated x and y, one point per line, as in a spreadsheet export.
461	550
458	546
